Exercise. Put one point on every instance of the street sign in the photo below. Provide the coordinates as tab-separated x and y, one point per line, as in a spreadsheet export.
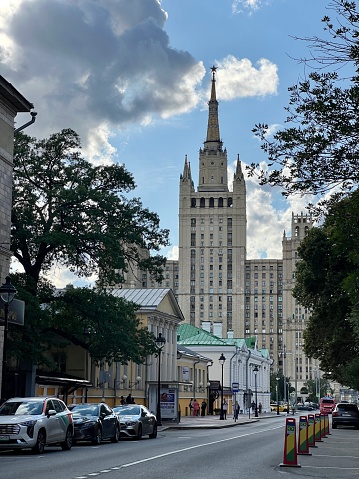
235	387
16	312
292	394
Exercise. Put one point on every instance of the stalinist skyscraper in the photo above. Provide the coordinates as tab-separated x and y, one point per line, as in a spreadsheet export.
212	236
216	286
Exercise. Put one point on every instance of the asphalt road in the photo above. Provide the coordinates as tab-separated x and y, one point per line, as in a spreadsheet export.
241	452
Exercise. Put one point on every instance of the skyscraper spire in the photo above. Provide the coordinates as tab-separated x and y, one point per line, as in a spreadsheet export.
213	124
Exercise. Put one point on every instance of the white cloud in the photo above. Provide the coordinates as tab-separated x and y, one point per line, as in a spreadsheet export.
239	78
96	67
249	5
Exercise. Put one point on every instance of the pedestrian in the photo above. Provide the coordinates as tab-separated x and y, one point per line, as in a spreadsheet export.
260	408
129	399
122	401
195	407
225	405
203	408
191	407
236	410
253	406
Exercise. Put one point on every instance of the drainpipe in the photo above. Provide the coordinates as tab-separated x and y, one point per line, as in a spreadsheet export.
33	117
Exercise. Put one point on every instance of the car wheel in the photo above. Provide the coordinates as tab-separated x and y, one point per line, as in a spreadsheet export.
98	437
40	443
154	432
139	432
116	437
67	444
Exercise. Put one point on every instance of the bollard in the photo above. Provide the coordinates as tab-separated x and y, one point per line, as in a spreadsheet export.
317	429
311	433
322	425
290	447
303	447
326	417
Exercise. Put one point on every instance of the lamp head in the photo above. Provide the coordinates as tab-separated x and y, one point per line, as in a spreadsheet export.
7	291
222	359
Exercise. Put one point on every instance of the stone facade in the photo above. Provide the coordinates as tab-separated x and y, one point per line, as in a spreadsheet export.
11	102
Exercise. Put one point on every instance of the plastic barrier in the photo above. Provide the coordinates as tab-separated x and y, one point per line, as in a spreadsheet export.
311	431
303	447
317	429
290	446
322	425
326	417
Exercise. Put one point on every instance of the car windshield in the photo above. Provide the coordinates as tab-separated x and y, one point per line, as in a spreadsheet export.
85	410
21	408
128	410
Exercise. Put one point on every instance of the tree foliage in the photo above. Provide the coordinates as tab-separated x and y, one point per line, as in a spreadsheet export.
319	150
70	213
327	283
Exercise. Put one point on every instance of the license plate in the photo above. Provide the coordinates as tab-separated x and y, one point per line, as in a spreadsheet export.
4	438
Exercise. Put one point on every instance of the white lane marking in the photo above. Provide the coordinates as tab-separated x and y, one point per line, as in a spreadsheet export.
159	456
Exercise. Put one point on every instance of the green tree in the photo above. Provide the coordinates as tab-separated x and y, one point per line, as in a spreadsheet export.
70	213
327	282
318	152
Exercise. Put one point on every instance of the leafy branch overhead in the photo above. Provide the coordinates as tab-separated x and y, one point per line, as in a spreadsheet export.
318	152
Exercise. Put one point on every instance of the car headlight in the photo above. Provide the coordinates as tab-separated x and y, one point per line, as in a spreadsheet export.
29	426
130	423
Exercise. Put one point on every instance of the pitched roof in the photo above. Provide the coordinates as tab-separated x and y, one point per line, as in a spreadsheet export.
148	299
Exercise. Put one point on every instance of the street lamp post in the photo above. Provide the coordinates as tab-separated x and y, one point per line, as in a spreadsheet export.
160	342
255	370
222	360
277	382
7	293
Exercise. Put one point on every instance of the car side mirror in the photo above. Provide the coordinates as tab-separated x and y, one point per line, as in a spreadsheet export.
143	414
103	414
51	412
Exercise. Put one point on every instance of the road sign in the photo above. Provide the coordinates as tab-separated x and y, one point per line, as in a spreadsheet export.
235	387
292	394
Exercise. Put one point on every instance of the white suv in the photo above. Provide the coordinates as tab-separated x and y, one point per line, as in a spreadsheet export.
35	422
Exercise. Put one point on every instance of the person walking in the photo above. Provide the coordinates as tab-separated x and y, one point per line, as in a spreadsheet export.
203	408
195	407
191	407
260	408
122	401
225	407
236	411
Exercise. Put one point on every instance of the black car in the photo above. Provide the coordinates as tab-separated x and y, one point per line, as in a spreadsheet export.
345	414
95	422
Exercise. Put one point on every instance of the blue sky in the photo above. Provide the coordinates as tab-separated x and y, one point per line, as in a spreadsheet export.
132	77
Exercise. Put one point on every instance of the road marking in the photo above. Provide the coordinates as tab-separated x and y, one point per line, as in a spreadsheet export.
333	467
178	451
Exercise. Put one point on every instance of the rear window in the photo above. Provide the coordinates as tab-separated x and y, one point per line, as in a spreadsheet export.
327	401
347	407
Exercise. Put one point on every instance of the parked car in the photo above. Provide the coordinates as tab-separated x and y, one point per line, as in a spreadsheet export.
345	414
304	407
95	422
35	422
136	421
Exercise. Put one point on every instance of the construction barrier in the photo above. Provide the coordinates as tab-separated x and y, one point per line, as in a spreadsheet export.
326	417
311	432
322	425
303	447
290	446
317	429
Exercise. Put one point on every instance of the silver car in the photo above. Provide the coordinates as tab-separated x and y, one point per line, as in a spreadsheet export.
35	422
136	421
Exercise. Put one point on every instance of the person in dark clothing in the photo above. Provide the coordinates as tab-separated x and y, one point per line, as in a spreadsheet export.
122	401
129	399
203	408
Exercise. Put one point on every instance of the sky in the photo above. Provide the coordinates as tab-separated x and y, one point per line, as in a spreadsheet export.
132	77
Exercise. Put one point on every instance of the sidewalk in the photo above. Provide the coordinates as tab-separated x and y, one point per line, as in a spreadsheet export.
212	422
